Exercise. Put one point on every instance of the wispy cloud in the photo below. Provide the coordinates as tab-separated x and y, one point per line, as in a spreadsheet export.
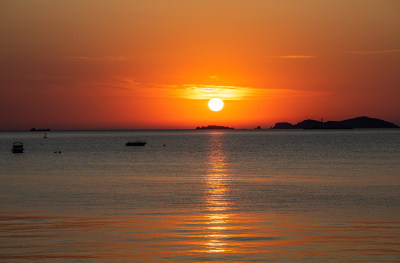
297	56
120	83
214	77
128	86
105	58
203	91
374	52
132	87
200	92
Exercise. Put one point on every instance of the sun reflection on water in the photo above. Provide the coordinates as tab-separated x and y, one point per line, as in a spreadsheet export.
216	196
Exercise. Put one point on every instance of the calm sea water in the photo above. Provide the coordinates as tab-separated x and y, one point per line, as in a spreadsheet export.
221	196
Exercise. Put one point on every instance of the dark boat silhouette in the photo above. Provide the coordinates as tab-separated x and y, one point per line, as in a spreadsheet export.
136	143
18	147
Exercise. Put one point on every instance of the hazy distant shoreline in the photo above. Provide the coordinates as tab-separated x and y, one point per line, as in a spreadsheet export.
354	123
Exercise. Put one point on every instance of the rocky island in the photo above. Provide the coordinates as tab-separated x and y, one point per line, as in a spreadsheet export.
354	123
213	127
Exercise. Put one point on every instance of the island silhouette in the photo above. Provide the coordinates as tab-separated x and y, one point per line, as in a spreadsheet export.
213	127
34	129
354	123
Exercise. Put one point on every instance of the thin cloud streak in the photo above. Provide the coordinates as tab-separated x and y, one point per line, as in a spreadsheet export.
128	86
297	57
374	52
202	91
205	92
106	58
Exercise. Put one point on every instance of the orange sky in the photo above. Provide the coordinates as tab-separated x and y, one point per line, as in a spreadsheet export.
132	64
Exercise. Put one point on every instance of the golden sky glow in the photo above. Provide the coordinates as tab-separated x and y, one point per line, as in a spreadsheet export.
155	64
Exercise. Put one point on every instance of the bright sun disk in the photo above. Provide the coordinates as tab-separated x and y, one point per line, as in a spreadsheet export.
215	104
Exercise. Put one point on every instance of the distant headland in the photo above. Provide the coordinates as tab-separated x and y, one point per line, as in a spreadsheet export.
213	127
34	129
354	123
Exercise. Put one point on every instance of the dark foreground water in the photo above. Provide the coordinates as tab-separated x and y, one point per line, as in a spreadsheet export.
230	196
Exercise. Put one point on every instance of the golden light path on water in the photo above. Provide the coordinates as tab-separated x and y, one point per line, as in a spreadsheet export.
216	196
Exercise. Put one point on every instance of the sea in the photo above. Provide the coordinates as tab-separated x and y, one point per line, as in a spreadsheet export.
201	196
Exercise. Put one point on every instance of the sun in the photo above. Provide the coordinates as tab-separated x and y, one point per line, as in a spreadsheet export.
216	104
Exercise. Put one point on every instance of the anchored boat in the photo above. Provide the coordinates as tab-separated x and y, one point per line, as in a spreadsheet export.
18	147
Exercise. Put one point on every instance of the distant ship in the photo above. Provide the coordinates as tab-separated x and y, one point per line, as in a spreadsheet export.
34	129
213	127
136	143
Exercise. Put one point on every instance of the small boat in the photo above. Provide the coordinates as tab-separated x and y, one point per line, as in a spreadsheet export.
18	147
135	143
